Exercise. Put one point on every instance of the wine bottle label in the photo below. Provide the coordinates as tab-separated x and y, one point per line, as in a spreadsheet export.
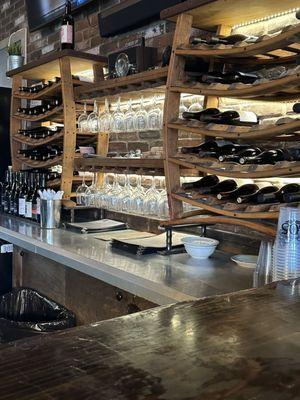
22	207
66	34
28	209
38	206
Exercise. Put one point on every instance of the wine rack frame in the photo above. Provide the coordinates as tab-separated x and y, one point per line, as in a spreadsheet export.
62	64
281	48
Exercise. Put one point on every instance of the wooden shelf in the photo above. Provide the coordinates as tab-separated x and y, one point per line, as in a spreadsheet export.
244	211
47	67
50	92
284	45
255	132
100	163
209	14
56	112
142	81
39	164
286	88
280	169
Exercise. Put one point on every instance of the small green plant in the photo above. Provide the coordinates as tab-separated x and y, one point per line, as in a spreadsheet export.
15	49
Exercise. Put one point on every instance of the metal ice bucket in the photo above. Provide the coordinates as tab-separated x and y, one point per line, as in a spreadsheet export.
50	214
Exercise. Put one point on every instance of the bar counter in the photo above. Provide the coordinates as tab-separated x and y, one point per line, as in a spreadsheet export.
159	279
239	346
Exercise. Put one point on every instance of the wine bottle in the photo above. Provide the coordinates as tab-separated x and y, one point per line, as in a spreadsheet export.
296	108
279	195
224	186
244	152
238	192
67	29
7	192
291	197
266	157
23	194
230	150
200	115
227	40
244	118
211	145
205	182
252	197
229	78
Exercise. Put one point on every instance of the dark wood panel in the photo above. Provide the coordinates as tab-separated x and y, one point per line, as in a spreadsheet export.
240	346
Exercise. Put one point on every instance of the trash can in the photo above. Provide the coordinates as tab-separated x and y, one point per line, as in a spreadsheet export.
5	267
25	312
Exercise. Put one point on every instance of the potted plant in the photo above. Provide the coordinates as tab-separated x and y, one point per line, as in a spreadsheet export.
15	58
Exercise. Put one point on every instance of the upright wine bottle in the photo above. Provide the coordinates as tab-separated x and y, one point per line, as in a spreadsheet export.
23	194
205	182
67	33
279	195
243	190
252	197
7	191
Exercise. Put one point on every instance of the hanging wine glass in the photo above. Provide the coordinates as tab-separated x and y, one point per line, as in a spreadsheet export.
141	118
196	105
93	120
151	199
138	197
118	118
154	116
129	118
105	119
82	121
182	108
83	193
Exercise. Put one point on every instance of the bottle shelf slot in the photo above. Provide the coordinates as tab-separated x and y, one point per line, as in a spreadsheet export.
223	207
38	142
52	114
100	163
285	88
280	169
39	164
284	45
50	92
255	132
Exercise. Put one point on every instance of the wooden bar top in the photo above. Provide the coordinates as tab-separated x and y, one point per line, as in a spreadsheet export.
241	346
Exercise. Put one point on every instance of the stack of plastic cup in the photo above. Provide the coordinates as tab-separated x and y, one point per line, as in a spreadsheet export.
286	254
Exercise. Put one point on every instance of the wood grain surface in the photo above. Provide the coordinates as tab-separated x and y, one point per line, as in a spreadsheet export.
241	346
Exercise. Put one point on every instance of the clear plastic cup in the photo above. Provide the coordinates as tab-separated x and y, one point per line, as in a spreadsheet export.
286	252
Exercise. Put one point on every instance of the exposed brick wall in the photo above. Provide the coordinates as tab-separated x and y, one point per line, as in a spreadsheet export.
87	38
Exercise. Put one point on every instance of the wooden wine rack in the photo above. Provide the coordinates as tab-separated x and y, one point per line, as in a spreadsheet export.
220	15
64	64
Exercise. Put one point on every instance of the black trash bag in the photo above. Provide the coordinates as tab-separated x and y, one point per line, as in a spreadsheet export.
25	312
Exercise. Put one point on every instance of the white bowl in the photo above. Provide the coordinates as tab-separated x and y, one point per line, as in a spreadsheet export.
199	247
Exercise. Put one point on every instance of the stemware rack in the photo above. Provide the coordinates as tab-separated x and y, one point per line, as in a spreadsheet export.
274	51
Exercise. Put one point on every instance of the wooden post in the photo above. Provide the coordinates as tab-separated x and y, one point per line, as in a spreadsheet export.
102	150
171	110
98	73
69	126
15	124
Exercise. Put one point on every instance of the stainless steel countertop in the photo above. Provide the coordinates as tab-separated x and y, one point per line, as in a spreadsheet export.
160	279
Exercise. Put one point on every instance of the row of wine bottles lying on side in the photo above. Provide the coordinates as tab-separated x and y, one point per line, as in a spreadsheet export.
231	117
248	193
40	132
234	38
19	193
199	71
41	153
38	87
225	151
45	107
